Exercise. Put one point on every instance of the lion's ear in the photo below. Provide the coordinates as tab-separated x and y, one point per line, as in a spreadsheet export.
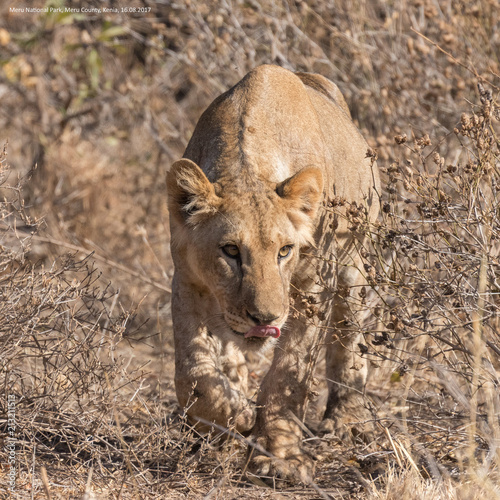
303	191
191	196
302	196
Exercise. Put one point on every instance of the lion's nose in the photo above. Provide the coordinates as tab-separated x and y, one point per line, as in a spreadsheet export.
262	318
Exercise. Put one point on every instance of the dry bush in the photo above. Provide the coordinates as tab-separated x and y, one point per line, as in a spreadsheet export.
103	105
57	330
434	325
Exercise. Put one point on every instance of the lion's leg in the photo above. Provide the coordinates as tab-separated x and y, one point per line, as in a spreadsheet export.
234	366
210	376
346	373
210	392
281	405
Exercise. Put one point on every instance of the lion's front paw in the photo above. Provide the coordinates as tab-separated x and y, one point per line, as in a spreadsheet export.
336	427
296	469
348	426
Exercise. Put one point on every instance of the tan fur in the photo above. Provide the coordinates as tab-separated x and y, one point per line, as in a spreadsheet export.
263	159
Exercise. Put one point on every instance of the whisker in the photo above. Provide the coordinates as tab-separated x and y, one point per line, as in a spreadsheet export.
214	321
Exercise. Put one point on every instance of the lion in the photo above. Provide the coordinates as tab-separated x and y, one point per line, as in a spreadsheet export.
255	248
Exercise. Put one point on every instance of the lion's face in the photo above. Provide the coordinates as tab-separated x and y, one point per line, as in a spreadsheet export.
247	257
243	246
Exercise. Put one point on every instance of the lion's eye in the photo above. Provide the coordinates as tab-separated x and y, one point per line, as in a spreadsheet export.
231	251
284	251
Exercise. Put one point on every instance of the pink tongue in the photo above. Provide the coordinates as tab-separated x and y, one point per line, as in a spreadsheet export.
263	331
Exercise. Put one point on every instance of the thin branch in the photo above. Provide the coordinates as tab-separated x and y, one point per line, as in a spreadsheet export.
106	260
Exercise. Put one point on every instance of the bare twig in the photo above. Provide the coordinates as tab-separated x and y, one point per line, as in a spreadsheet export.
106	260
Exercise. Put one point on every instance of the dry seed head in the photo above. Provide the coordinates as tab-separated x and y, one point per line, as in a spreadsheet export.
424	141
408	171
485	94
372	154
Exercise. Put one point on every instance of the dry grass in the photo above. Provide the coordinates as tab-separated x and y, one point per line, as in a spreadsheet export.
102	104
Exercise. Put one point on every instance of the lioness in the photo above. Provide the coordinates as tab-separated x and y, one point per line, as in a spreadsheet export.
254	245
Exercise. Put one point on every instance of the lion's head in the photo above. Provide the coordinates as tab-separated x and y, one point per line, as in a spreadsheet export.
241	244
